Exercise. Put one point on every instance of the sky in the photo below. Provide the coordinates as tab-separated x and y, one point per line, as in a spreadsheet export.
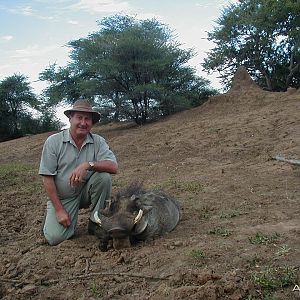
34	33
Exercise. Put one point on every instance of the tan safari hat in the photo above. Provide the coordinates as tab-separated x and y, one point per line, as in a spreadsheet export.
83	106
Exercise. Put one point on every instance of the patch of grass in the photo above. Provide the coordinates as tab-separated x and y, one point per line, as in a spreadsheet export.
197	253
264	296
15	174
232	214
282	250
220	231
275	277
254	260
14	169
261	238
95	289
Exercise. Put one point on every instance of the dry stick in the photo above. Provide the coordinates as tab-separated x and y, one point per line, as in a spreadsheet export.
87	266
290	161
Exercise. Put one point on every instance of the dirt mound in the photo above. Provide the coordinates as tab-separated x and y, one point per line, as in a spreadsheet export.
242	81
239	234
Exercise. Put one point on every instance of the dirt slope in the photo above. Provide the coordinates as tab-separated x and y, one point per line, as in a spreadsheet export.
239	235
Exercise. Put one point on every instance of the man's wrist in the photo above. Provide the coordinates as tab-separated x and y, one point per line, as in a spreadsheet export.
91	165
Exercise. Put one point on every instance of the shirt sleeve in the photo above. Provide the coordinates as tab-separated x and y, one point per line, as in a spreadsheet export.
104	152
48	163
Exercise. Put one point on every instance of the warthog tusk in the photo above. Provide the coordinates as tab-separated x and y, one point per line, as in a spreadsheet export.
96	217
138	217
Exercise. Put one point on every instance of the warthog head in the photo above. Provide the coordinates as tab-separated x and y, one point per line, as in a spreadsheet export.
123	218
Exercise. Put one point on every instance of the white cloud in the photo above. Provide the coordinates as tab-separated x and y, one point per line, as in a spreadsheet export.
6	37
101	6
73	22
33	51
25	10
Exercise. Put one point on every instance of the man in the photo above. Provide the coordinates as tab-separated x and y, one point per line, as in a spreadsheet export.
76	166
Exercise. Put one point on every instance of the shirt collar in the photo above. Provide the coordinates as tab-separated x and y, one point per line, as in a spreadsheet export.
68	138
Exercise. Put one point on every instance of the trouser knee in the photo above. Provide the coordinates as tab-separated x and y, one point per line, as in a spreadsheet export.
53	240
102	179
56	237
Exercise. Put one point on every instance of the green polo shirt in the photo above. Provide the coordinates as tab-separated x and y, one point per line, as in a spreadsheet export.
60	157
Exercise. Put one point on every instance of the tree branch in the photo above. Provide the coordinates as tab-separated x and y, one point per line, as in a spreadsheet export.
290	161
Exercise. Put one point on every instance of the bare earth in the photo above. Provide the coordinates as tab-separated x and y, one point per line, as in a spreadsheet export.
240	208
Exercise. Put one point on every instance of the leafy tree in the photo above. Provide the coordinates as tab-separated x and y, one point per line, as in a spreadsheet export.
262	35
131	69
16	98
17	106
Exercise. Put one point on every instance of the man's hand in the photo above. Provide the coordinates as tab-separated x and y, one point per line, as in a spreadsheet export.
78	174
63	217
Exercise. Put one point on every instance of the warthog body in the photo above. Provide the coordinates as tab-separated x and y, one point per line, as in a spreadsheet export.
135	215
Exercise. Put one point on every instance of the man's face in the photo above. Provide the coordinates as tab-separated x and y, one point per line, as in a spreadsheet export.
81	123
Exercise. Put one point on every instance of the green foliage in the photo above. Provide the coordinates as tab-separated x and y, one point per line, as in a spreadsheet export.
261	238
14	176
17	105
15	99
275	277
197	253
262	35
220	231
131	69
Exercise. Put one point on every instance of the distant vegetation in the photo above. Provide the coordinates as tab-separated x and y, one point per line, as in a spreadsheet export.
262	35
131	69
135	69
21	112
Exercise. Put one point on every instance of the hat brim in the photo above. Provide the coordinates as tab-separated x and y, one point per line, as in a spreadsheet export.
95	115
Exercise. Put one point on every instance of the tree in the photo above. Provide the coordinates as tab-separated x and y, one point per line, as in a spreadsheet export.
16	98
132	69
262	35
17	106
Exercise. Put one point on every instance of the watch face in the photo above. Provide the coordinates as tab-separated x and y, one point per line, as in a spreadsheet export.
91	164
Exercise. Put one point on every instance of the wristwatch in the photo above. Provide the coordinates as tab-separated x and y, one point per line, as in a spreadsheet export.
92	164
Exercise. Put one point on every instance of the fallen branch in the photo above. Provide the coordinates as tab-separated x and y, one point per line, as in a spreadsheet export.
290	161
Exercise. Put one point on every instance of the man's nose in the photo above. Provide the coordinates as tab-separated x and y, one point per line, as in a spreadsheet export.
83	122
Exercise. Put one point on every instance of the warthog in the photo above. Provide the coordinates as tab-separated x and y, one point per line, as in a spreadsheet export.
135	215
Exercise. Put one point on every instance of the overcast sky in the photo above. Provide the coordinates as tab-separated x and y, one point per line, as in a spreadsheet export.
34	33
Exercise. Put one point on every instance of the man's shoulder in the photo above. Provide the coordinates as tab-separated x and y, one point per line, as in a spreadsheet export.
56	137
97	138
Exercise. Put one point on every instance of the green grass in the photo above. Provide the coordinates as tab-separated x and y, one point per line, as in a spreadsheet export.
275	277
232	214
282	251
197	253
220	231
261	238
20	177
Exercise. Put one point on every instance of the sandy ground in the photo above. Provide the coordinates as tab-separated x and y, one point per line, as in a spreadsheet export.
240	225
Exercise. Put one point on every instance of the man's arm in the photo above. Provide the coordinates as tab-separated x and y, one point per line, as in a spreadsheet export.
108	166
79	173
61	214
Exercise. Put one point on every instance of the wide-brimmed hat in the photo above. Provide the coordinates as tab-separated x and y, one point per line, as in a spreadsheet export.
83	106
